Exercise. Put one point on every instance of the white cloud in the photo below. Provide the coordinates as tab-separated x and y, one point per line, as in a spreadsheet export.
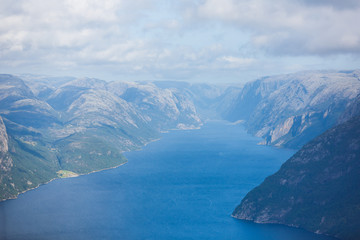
290	27
173	39
63	29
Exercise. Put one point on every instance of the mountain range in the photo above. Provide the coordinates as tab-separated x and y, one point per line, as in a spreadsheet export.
64	126
79	126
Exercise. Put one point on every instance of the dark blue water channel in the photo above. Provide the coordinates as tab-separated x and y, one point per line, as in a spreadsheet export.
184	186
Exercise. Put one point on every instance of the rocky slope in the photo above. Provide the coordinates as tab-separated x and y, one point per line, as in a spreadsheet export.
79	125
164	108
211	101
317	189
352	110
6	161
289	110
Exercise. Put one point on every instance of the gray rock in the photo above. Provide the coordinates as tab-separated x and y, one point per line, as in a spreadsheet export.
289	110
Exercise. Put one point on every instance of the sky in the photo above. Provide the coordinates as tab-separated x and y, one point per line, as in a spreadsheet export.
215	41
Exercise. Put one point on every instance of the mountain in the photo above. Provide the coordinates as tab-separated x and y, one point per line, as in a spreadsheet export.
210	100
26	160
290	110
317	189
76	126
352	110
165	108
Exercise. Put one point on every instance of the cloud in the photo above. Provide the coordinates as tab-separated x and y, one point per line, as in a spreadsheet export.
67	30
290	27
130	37
173	39
343	4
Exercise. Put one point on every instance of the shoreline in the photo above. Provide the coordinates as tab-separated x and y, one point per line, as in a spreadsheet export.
58	178
284	224
99	170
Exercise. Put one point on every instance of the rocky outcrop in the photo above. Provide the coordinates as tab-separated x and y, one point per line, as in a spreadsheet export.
3	138
6	162
5	158
317	189
289	110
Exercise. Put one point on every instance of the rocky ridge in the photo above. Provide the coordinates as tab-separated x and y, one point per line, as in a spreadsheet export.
289	110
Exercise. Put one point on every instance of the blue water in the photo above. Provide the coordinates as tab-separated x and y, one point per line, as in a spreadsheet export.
184	186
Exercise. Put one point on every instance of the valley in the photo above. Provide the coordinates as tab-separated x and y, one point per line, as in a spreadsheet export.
65	127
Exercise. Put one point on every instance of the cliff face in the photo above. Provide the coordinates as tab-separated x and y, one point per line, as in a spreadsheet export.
317	189
6	161
290	110
3	138
352	110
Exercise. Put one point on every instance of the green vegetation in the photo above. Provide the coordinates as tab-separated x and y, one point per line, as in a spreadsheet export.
317	189
36	162
32	166
86	152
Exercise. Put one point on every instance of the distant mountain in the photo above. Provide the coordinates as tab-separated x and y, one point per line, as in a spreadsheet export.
81	125
211	100
289	110
317	189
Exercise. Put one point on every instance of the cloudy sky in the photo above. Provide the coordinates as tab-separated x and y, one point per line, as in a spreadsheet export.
197	40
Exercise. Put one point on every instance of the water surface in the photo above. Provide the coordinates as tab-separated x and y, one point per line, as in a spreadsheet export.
184	186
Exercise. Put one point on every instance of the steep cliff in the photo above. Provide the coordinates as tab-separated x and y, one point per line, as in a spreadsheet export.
6	161
317	189
289	110
352	110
